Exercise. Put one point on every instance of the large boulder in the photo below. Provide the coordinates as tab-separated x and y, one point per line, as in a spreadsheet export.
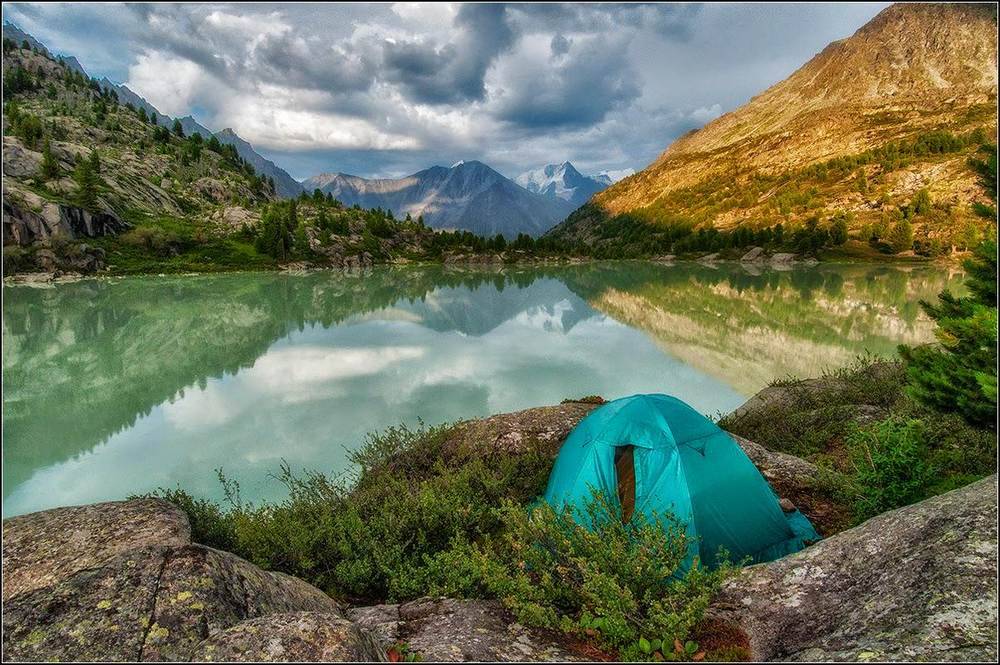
19	161
512	432
43	548
201	591
122	581
448	630
918	583
28	218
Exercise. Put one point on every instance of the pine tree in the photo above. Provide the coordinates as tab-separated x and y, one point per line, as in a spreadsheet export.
86	180
178	129
50	165
960	373
900	238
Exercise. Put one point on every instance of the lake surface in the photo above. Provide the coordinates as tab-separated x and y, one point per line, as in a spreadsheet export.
120	386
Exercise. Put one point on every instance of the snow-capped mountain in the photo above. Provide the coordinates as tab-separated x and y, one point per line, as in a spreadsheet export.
563	181
611	177
469	195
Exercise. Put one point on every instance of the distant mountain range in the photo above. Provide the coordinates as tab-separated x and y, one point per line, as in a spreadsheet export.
468	195
563	181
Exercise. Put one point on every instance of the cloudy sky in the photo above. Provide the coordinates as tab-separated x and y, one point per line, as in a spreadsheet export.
388	89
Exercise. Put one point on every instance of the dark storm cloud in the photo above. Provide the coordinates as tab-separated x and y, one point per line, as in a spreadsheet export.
669	20
559	44
453	72
593	78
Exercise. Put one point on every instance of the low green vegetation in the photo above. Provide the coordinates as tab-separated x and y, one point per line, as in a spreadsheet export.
371	538
880	447
621	583
168	245
427	515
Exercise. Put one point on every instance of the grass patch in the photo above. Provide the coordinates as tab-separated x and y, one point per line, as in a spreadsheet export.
173	245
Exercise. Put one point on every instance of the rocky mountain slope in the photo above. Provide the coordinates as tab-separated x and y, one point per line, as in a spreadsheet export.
79	162
469	196
862	128
285	185
563	181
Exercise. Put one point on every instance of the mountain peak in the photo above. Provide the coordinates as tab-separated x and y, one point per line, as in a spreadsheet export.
562	181
468	195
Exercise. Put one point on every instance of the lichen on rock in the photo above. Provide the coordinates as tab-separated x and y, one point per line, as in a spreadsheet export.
917	583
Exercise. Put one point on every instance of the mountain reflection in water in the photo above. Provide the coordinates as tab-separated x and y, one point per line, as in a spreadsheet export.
114	387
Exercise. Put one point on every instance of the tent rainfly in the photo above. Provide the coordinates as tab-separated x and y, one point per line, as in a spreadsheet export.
655	455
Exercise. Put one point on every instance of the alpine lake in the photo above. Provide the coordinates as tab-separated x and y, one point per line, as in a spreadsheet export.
120	386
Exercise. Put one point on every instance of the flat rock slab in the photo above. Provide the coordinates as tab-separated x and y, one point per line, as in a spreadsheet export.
42	548
917	583
448	630
312	637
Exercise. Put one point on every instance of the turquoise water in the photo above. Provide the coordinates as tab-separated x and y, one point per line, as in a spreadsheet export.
120	386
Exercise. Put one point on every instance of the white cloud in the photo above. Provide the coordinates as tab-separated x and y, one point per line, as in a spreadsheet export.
199	409
169	83
301	367
434	16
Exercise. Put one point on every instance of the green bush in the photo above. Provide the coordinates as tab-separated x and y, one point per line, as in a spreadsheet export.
890	464
369	539
621	584
152	238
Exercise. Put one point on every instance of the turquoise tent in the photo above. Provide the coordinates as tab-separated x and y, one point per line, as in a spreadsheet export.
684	464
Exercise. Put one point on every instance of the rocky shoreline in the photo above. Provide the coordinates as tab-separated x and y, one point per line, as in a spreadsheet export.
124	581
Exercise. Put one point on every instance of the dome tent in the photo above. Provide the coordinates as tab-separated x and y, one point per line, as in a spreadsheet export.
684	464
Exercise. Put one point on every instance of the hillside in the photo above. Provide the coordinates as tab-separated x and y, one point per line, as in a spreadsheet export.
92	183
859	131
284	185
468	196
76	162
